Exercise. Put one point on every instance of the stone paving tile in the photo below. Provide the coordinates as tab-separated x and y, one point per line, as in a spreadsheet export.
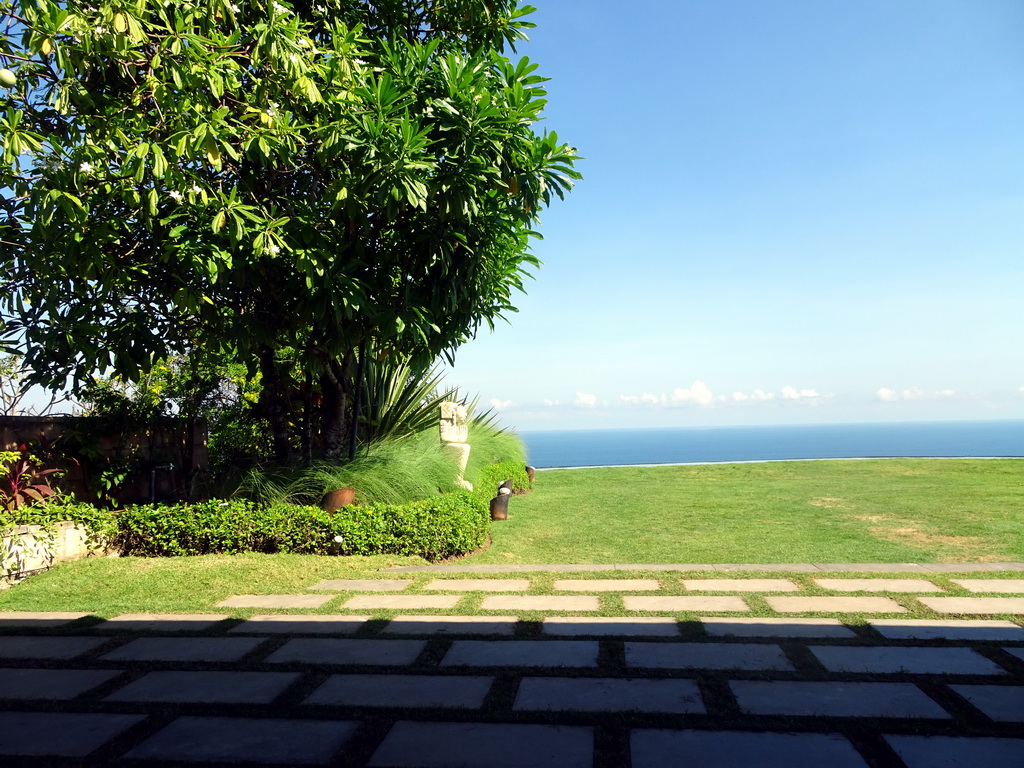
948	629
640	626
758	627
242	739
59	734
51	684
206	687
275	601
363	585
455	625
485	745
752	656
958	751
1018	652
506	568
291	623
1013	605
836	604
1002	703
928	661
161	622
402	691
593	694
740	749
522	653
39	619
19	647
348	651
184	649
541	603
401	602
784	697
741	585
606	585
991	585
879	585
479	585
724	603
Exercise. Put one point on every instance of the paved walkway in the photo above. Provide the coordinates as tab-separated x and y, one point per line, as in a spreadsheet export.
649	669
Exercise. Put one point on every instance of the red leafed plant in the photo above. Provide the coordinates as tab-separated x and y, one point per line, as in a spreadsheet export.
21	483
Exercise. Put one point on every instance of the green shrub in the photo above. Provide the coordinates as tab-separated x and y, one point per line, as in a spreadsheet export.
98	521
437	528
493	475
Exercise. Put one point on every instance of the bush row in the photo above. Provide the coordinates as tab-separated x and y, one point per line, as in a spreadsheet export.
435	529
493	475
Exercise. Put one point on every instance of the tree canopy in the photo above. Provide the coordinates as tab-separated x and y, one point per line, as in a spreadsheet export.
251	177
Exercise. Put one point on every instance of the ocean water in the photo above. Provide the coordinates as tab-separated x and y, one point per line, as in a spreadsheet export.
610	447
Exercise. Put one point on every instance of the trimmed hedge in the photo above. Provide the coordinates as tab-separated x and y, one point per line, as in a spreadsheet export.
493	475
435	529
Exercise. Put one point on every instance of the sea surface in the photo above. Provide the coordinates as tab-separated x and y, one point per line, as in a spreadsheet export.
695	445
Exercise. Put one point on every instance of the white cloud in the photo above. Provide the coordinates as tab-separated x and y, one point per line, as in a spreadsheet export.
551	402
698	393
653	399
891	395
500	404
760	394
739	397
792	393
587	401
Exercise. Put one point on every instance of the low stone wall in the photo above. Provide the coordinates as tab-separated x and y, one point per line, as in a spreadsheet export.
28	549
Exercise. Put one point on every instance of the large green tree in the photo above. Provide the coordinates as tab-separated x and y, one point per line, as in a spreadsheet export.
283	182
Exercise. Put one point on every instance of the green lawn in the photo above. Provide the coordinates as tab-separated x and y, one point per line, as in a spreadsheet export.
886	510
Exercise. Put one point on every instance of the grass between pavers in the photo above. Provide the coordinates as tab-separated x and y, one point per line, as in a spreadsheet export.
864	511
109	587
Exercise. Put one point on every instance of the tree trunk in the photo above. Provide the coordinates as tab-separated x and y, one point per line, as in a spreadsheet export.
335	383
274	404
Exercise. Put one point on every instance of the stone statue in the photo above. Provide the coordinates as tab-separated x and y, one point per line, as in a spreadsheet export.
454	432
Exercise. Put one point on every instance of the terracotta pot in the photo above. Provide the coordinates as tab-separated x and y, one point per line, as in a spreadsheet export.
335	500
506	484
499	508
530	472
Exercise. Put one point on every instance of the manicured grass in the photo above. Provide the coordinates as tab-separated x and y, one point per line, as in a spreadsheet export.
886	510
110	586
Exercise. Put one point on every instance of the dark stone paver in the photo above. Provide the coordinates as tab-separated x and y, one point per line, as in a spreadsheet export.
947	629
161	622
522	653
740	749
275	601
51	684
485	745
206	687
646	626
39	619
933	661
411	624
60	734
345	651
296	624
771	627
592	694
706	656
241	739
402	691
1018	652
19	647
958	751
1003	703
184	649
784	697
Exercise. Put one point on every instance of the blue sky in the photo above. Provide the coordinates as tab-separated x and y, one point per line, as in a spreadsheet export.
792	212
